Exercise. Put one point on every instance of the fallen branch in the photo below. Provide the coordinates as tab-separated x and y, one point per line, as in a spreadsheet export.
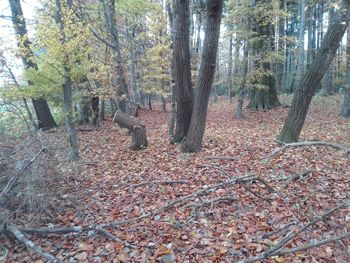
30	245
306	143
220	158
161	182
180	200
114	238
278	247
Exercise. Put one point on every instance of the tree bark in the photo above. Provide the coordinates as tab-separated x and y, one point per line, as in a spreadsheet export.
193	141
41	108
301	52
138	130
345	110
306	90
122	91
67	88
182	68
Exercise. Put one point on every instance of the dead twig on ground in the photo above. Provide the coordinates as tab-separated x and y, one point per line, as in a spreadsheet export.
303	144
161	182
221	158
30	245
277	249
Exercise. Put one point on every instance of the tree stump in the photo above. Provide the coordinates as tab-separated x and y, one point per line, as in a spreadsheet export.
137	130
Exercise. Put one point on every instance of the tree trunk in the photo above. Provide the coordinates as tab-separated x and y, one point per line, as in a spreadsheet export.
41	108
193	141
301	52
149	101
172	114
304	93
264	96
345	110
138	130
120	81
95	101
102	110
83	110
67	88
230	65
182	68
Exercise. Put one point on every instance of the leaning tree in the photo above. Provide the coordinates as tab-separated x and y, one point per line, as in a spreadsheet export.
310	83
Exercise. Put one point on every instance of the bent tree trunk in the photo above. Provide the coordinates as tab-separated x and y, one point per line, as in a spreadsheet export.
304	93
41	108
182	68
345	110
193	141
138	130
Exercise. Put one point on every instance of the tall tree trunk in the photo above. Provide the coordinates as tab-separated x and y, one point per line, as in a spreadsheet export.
345	110
172	114
304	93
133	75
230	65
102	110
182	68
122	91
301	52
67	88
41	108
264	96
193	141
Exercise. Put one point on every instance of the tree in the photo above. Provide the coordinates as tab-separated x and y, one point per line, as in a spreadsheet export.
41	107
345	110
263	94
67	83
182	68
194	137
122	91
306	90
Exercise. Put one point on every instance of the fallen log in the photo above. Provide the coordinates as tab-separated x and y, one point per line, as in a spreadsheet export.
137	130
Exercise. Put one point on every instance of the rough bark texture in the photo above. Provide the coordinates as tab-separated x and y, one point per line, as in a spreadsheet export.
41	108
193	141
138	130
301	52
304	93
264	96
182	68
345	110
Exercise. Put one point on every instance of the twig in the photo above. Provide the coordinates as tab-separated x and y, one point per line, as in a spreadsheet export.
114	238
220	158
278	247
306	143
14	179
161	182
30	245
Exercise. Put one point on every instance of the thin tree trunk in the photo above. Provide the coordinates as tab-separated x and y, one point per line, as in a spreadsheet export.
301	52
172	114
41	108
345	110
304	93
102	110
182	68
193	141
230	65
67	88
120	81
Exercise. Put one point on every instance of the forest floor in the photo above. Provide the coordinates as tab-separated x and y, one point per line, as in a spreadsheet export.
223	225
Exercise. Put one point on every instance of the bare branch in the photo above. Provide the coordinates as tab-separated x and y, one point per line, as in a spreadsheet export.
30	245
162	182
306	143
